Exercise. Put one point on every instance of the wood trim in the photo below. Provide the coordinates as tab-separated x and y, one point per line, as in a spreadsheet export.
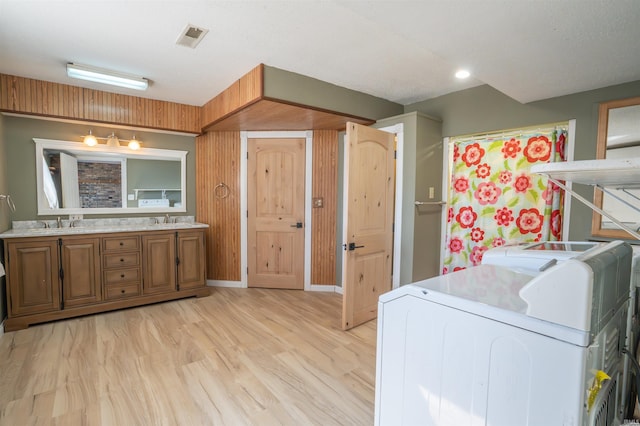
42	98
243	92
323	228
218	161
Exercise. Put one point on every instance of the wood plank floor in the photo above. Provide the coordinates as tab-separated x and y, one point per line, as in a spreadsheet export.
237	357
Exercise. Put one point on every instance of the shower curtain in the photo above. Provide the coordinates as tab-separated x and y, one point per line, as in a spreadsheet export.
493	200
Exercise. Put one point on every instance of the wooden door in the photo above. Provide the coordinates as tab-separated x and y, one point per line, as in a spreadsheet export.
81	283
159	263
32	277
191	259
275	234
370	184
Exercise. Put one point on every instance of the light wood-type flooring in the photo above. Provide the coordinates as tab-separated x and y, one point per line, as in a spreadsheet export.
237	357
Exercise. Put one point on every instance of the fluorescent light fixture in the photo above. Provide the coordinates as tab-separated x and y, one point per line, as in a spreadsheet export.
98	75
462	74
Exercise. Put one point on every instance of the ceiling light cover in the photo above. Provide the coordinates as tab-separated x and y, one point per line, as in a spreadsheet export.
462	74
114	78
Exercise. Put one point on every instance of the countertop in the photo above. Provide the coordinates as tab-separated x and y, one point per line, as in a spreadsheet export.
99	227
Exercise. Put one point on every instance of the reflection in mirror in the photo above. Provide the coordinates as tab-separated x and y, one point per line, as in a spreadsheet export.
618	138
75	179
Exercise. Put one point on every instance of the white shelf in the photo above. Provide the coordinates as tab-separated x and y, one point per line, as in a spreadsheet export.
619	173
604	174
162	190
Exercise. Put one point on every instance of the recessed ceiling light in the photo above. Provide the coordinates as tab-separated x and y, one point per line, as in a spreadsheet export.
462	74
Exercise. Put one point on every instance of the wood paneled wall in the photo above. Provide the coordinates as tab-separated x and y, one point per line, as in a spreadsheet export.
323	228
218	161
243	92
36	97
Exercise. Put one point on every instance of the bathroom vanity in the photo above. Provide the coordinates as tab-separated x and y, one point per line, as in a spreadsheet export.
55	273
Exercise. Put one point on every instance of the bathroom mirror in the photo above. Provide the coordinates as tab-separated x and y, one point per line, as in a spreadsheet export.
618	137
73	178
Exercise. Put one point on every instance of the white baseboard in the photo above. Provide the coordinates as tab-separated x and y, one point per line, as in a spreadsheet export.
320	287
220	283
238	284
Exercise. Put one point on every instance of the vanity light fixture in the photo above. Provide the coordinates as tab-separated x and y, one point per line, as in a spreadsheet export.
90	140
112	141
134	143
99	75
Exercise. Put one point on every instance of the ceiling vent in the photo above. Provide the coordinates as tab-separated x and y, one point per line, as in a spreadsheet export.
191	36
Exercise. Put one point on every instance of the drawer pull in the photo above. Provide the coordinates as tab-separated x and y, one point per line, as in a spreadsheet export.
122	291
121	243
121	275
121	260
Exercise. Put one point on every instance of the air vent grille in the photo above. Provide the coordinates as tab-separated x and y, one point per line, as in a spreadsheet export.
191	36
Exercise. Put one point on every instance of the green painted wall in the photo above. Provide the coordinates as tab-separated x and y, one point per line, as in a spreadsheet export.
303	90
483	109
18	133
5	214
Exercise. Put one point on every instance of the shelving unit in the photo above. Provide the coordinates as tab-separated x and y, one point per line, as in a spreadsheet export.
163	191
605	174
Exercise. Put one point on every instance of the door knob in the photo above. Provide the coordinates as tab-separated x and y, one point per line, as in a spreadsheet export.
297	225
353	246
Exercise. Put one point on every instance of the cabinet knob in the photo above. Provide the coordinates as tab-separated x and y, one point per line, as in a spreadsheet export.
121	260
121	275
122	291
121	243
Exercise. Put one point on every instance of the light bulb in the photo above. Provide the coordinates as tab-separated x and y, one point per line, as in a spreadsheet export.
134	144
90	140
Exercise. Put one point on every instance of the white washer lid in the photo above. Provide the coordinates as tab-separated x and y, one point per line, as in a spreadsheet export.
489	291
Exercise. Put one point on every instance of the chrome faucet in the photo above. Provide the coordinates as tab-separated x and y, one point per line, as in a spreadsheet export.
46	225
167	219
59	222
155	221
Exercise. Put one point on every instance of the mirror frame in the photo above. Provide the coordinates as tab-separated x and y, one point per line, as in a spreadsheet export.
601	153
142	153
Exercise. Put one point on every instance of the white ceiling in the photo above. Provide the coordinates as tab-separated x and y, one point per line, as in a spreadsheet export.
403	51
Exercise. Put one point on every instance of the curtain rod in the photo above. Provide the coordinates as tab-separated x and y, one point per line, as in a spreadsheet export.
509	132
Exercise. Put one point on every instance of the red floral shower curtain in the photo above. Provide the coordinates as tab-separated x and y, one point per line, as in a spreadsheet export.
493	200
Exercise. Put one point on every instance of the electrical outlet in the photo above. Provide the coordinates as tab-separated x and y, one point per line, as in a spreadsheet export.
131	197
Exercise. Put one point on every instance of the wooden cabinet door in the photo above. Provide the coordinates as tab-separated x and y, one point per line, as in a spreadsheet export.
32	275
191	259
159	263
81	272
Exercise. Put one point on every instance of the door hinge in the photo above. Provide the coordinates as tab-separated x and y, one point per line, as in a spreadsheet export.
177	261
247	155
247	270
61	274
395	155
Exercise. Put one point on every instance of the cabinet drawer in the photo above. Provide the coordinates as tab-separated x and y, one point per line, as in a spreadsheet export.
121	276
121	243
122	260
118	291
